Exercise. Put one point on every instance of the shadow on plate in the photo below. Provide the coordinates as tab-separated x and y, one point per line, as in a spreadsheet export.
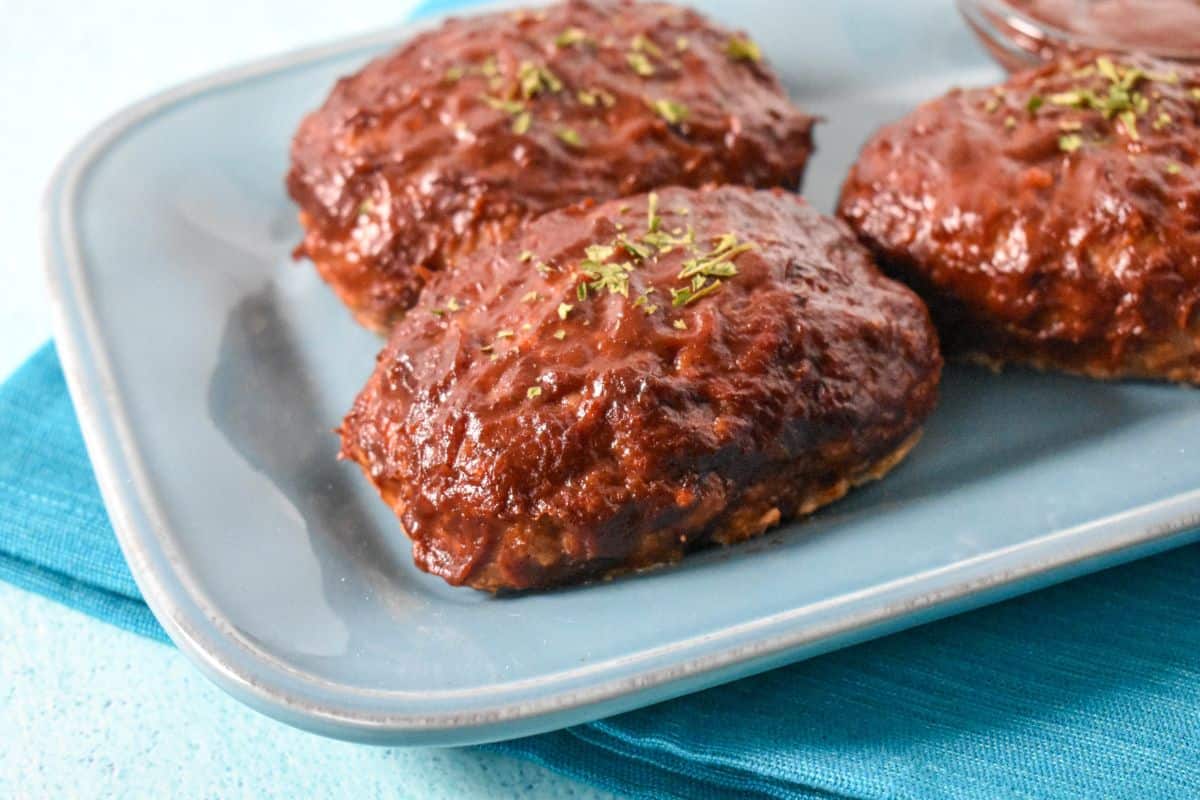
261	398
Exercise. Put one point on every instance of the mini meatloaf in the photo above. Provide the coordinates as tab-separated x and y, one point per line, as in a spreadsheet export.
1051	221
466	131
624	383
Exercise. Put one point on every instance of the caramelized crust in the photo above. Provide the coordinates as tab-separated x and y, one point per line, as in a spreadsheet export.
1052	221
530	433
452	141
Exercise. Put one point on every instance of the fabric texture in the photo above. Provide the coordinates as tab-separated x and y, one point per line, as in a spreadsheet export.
55	538
1089	689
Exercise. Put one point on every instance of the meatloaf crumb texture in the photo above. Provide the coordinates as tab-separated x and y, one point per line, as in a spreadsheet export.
464	132
626	382
1052	220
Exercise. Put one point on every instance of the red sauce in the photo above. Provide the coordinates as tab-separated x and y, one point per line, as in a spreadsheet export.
1021	33
528	435
1167	28
1042	229
444	145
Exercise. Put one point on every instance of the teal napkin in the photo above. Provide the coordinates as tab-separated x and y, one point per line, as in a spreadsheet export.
1089	689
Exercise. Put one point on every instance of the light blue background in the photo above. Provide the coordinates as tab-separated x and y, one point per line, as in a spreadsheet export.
87	710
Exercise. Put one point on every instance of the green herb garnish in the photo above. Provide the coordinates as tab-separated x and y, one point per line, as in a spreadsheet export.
1122	100
535	79
599	252
569	136
641	44
532	392
571	37
707	270
718	262
638	251
739	48
1108	69
688	295
592	97
1070	142
666	242
501	104
613	277
640	64
673	112
1129	122
643	301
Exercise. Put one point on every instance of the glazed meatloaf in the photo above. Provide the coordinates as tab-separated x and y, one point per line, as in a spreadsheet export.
461	134
623	383
1052	221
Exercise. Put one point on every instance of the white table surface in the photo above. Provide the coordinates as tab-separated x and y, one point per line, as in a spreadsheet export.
87	710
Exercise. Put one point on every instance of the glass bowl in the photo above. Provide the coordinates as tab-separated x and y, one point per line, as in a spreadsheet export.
1025	33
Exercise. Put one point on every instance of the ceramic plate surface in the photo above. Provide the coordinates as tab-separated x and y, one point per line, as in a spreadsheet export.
208	371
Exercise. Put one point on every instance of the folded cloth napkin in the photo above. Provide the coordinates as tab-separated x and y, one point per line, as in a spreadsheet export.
1089	689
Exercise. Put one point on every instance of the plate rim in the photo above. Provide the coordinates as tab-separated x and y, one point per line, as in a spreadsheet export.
263	681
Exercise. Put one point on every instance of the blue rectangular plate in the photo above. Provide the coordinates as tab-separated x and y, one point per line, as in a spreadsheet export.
208	371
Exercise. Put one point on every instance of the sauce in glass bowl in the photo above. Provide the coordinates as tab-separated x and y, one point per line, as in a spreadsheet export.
1023	33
